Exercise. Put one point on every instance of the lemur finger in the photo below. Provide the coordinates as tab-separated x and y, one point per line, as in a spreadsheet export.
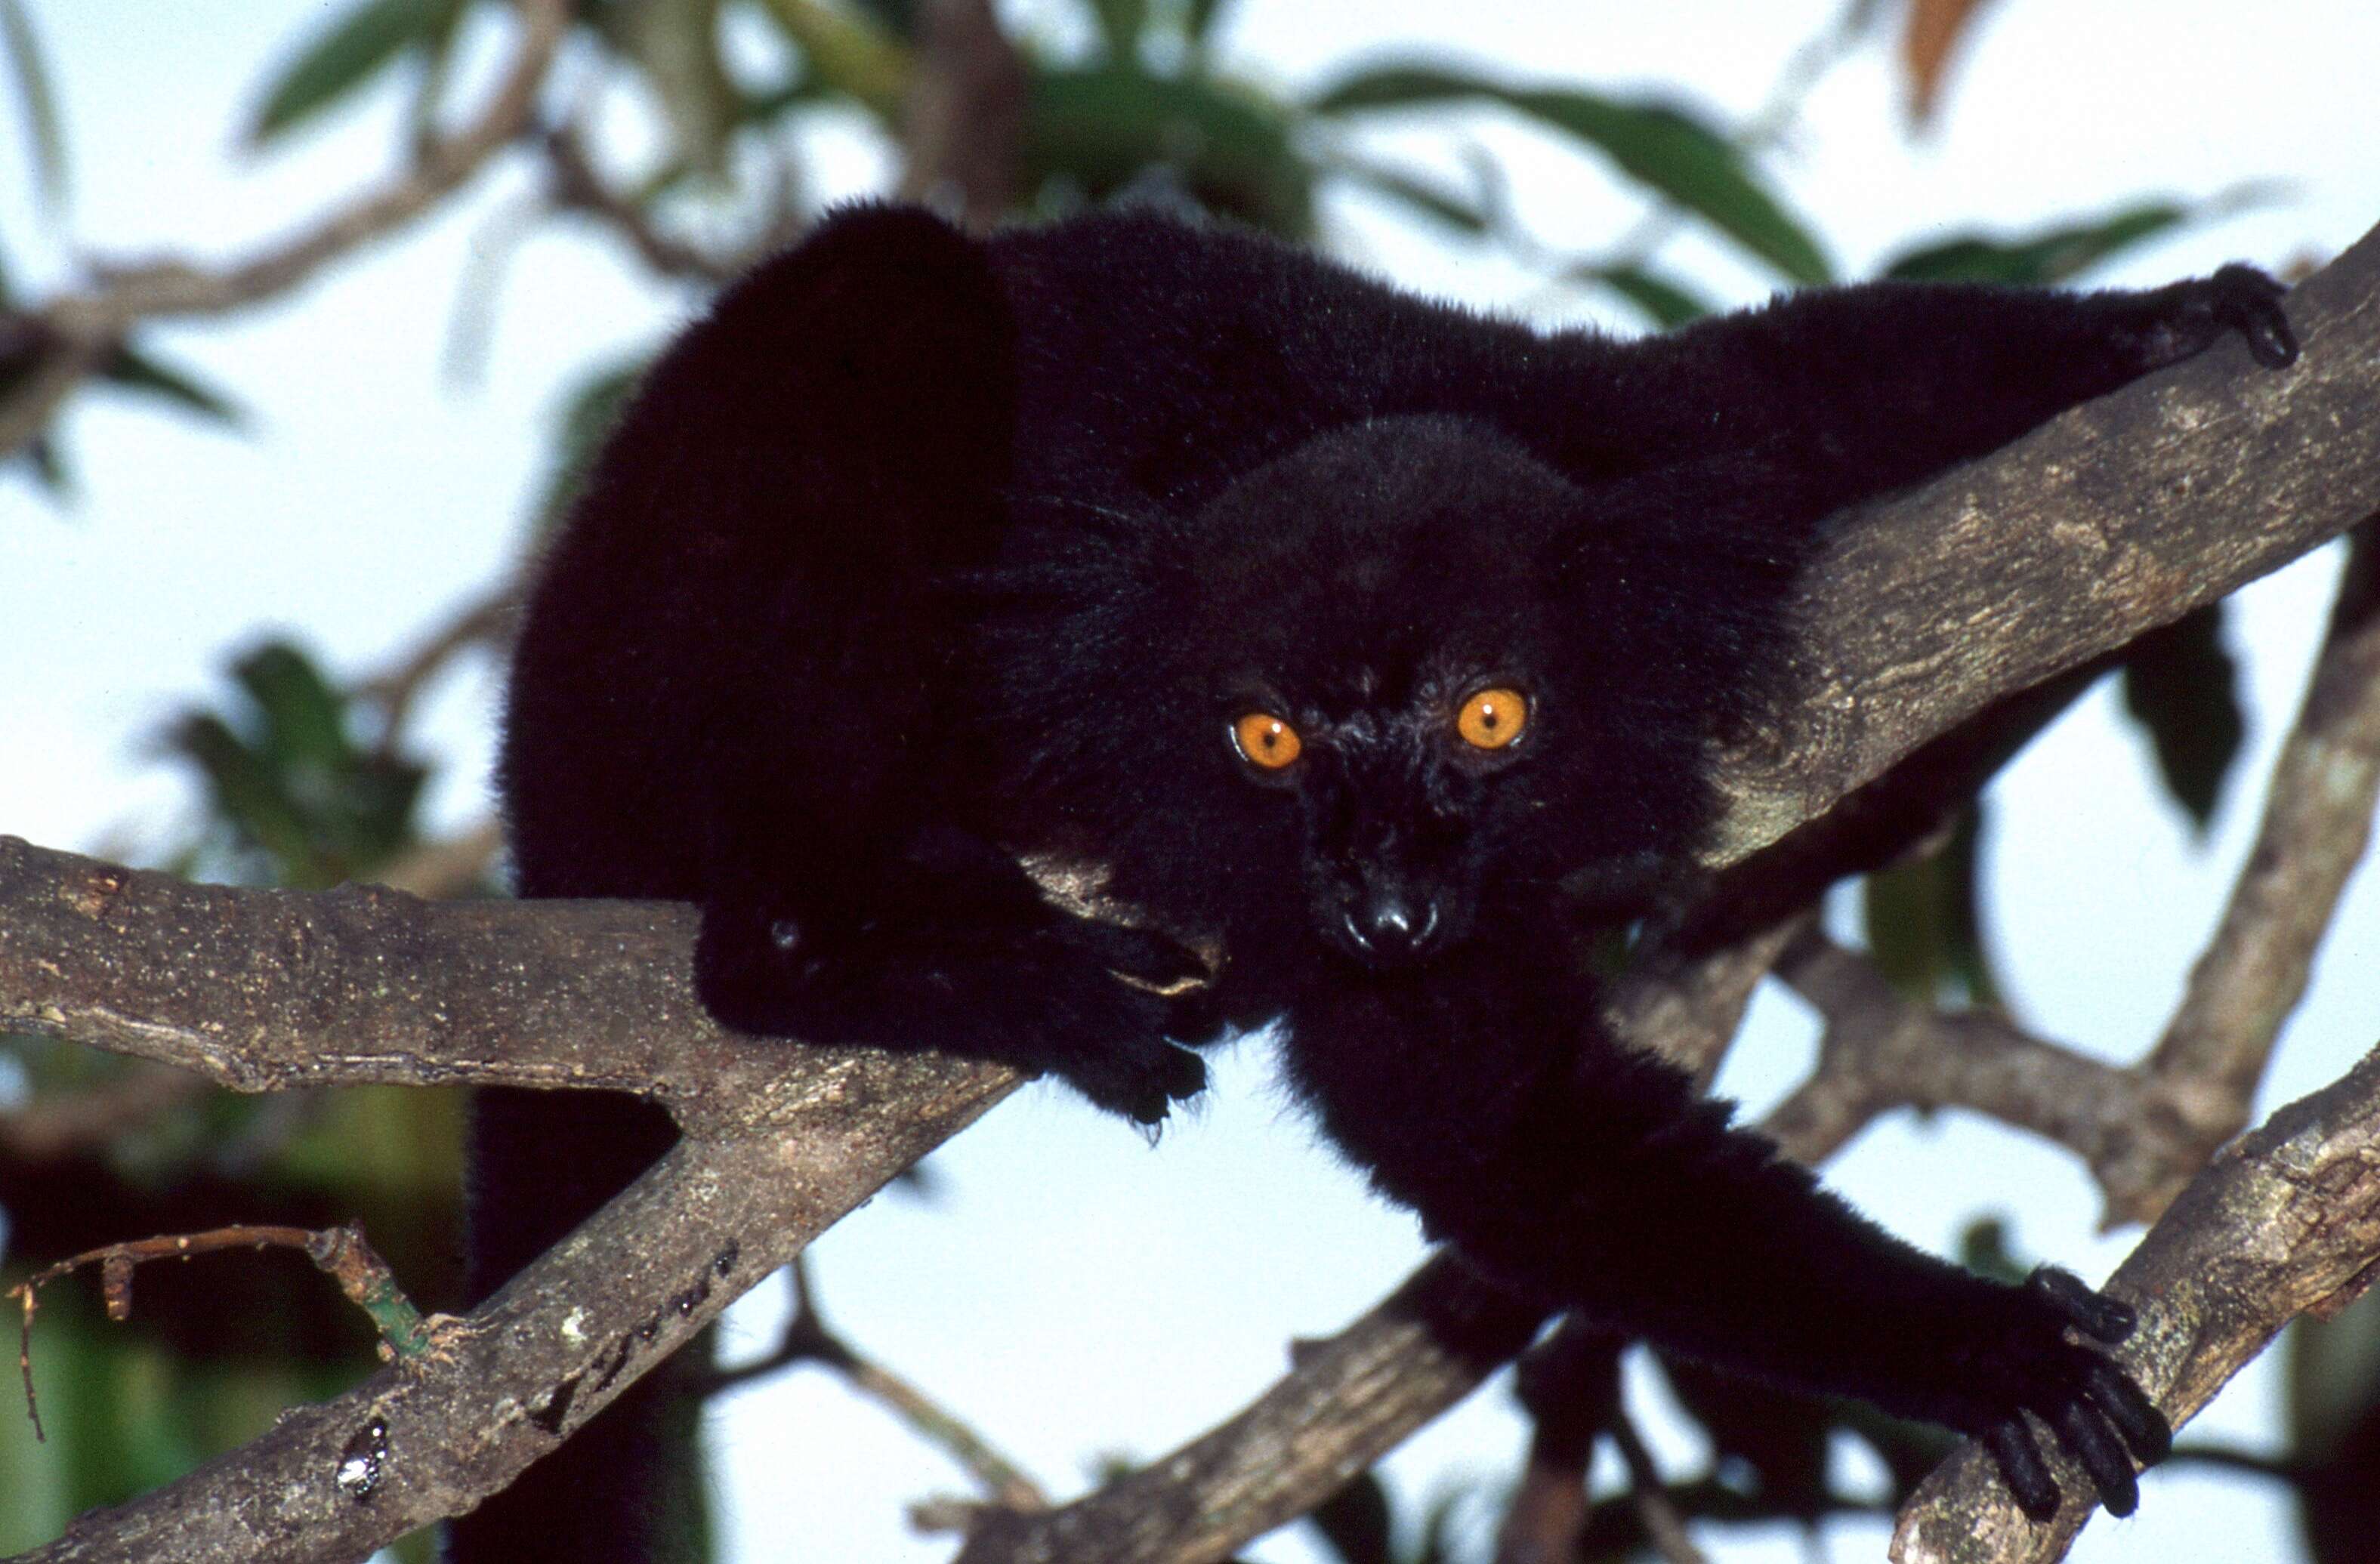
1182	1074
2127	1406
2102	1455
2093	1313
2249	302
2022	1468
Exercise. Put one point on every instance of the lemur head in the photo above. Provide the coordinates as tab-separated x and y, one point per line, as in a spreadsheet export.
1389	673
1396	677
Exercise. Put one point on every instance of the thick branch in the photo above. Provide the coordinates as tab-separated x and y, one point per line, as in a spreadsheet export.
2090	577
2316	825
1881	1051
1424	1348
2144	1130
269	990
2283	1221
79	331
2113	518
568	1335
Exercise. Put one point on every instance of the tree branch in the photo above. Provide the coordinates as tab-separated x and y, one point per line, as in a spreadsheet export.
2286	1221
554	1348
1925	610
963	113
1882	1051
2147	1129
75	333
2317	822
1421	1349
274	990
2113	518
576	185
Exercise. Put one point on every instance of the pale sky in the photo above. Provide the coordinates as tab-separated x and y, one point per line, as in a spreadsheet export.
1075	1292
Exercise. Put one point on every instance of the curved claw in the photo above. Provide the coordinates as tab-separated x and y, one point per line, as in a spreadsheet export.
1142	955
2022	1468
2093	1313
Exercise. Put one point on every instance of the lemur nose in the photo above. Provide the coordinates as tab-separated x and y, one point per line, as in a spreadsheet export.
1388	928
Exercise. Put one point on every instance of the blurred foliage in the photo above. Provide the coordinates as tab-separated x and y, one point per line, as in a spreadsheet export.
2332	1416
45	135
1358	1525
1923	919
1673	152
214	1349
294	799
304	788
347	53
2181	687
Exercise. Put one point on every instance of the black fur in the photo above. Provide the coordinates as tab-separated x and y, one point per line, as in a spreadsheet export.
922	552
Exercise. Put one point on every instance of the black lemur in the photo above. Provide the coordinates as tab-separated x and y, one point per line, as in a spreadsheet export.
1341	628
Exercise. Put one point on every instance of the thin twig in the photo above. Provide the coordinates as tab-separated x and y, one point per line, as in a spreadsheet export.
577	185
80	331
1662	1522
805	1338
1880	1050
486	621
339	1253
2317	821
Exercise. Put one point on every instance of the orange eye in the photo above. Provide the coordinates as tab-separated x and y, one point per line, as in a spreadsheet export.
1492	719
1266	740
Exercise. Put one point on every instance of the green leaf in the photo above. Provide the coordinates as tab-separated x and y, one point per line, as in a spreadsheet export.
304	719
2055	254
1098	130
2181	687
675	46
1121	24
847	51
42	127
593	407
245	792
1923	921
138	371
305	804
1199	19
343	57
1457	211
898	17
1665	302
1985	1249
1658	144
